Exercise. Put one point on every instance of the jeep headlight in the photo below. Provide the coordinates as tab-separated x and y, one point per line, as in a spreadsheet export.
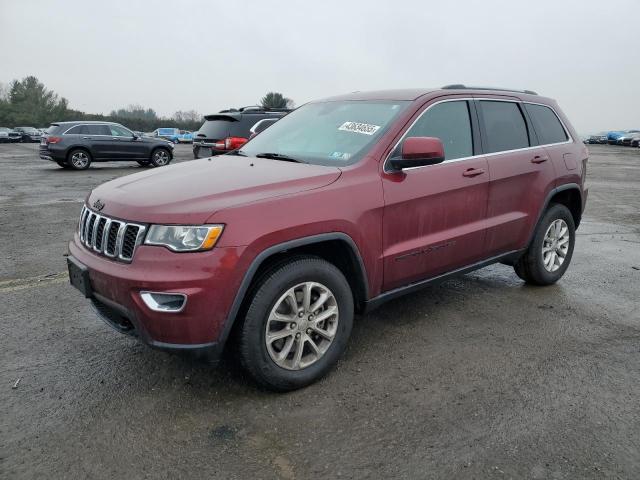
181	238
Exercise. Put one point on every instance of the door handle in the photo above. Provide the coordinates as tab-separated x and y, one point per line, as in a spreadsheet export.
473	172
115	138
539	159
86	138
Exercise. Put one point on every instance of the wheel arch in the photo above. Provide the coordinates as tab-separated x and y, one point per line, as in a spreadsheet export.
569	195
79	147
158	147
335	247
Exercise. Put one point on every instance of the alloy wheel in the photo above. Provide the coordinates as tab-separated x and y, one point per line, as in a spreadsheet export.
302	326
555	245
79	160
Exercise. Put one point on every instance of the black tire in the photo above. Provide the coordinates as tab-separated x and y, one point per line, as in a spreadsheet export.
160	157
531	266
83	159
62	163
253	352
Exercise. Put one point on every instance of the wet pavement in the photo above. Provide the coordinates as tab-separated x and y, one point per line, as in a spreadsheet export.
480	377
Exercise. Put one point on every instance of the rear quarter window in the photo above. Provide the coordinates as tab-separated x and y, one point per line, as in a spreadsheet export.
546	124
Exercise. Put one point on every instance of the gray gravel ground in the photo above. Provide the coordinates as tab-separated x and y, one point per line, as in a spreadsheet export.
480	377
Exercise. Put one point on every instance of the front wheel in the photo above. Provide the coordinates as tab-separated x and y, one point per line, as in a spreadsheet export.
551	249
79	159
297	324
160	157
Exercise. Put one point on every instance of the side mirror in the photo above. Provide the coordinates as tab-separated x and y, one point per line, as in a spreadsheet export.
419	151
135	136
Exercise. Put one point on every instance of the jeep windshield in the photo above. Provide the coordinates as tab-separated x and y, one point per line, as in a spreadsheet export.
326	133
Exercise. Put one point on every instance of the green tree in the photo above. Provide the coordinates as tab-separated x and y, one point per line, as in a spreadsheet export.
276	100
28	102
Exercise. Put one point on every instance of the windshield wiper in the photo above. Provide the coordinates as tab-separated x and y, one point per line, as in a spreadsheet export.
238	153
279	156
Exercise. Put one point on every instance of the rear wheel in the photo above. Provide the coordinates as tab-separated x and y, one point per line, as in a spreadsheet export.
550	252
160	157
297	324
79	159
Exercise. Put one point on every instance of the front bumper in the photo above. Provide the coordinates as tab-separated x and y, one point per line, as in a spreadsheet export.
208	279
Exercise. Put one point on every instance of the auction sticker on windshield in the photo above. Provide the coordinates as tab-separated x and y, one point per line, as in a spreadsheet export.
356	127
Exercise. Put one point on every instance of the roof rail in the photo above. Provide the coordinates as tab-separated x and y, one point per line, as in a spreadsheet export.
459	86
254	108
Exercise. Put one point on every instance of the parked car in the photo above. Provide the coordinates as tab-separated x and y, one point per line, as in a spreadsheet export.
9	135
613	136
185	137
628	137
76	145
28	134
228	130
343	204
635	142
4	135
174	135
43	130
597	139
261	125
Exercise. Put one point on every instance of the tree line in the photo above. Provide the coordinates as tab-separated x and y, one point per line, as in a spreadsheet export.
28	102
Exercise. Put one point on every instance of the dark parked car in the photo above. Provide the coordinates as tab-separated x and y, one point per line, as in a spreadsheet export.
597	139
76	144
229	129
261	126
9	135
343	204
29	134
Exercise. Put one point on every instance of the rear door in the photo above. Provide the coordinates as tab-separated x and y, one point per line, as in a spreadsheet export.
521	174
552	134
98	138
434	216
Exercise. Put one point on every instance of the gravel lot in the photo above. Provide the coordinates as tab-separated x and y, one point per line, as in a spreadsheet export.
480	377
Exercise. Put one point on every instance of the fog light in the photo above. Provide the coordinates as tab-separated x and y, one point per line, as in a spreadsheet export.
164	302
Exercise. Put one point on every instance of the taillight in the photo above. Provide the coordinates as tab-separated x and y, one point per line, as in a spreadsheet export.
230	143
54	139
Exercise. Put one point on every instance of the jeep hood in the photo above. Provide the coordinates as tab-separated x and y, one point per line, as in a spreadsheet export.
190	192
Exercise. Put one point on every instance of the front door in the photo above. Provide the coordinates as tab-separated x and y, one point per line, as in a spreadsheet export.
434	216
126	145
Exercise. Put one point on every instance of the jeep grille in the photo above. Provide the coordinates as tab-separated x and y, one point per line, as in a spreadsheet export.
110	237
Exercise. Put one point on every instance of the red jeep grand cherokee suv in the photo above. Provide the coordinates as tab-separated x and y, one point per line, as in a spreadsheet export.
339	206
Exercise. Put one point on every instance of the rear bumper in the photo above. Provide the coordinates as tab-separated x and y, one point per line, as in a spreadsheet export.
208	279
52	154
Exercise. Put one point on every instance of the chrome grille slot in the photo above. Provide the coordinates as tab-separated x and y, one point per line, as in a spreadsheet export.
129	241
99	233
113	238
112	235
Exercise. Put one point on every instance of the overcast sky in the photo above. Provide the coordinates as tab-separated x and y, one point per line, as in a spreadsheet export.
208	55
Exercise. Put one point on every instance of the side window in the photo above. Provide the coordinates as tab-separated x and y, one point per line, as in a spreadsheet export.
504	125
77	130
448	121
546	124
98	130
118	131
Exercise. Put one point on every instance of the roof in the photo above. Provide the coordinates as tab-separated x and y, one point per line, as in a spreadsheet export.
83	121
